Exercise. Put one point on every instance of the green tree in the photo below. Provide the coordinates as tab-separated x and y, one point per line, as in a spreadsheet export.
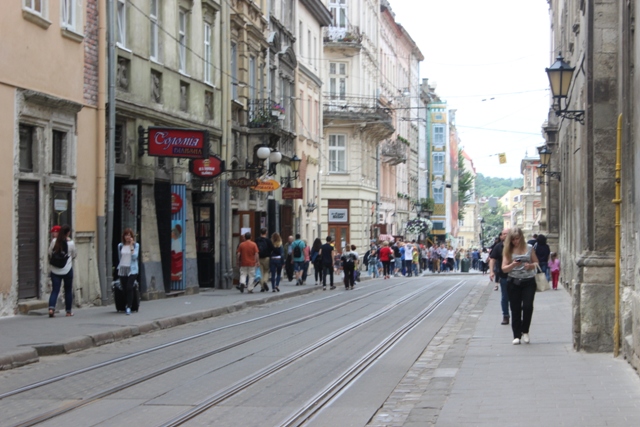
465	185
487	186
493	222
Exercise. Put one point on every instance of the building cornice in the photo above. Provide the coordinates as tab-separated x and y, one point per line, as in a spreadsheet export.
319	11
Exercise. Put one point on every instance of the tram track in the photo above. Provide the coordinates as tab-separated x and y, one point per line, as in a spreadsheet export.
86	400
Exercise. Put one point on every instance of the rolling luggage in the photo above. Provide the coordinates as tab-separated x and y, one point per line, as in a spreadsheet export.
120	300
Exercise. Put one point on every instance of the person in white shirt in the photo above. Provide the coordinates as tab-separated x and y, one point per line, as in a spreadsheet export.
64	248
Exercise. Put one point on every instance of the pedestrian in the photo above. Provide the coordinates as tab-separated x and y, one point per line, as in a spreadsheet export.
348	266
297	252
519	261
276	260
533	240
128	252
500	277
288	262
372	265
451	255
326	259
248	260
457	258
542	252
484	259
415	262
386	253
397	259
265	247
62	251
316	260
307	260
554	267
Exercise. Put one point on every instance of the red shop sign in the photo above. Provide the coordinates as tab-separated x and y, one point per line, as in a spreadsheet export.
207	168
181	143
176	203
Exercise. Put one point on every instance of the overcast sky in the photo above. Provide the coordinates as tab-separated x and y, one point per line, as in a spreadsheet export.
487	59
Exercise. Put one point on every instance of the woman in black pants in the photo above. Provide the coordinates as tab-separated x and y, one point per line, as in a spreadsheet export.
519	262
316	260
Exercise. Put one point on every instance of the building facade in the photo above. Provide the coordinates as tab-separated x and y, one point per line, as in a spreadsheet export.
54	137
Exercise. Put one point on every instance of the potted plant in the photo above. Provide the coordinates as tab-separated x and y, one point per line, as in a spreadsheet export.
277	110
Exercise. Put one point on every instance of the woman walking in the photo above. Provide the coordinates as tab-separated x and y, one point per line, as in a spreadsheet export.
554	267
519	262
128	251
62	251
316	260
386	254
276	262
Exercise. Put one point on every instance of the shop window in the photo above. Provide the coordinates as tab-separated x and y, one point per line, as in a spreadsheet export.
27	140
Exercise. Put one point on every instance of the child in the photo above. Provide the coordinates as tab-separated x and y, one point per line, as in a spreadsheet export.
554	266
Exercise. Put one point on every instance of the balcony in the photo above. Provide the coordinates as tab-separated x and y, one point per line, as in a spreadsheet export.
342	36
372	117
267	118
394	152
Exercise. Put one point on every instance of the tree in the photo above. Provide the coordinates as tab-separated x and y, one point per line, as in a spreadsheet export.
465	185
493	222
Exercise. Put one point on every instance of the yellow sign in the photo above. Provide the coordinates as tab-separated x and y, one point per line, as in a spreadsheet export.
503	158
266	186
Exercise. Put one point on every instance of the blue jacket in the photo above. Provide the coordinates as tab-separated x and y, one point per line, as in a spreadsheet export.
134	257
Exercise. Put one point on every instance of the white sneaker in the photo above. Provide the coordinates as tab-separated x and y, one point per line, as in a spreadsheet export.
525	338
516	341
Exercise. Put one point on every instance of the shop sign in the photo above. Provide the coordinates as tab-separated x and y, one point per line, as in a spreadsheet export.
338	215
180	143
266	186
207	168
291	193
242	182
176	203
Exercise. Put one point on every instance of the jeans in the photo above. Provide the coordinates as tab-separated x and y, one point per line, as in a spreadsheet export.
127	287
415	268
305	269
275	265
398	264
407	266
504	300
348	276
327	270
521	300
56	281
545	269
373	268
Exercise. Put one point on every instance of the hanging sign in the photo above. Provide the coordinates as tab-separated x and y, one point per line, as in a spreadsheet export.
291	193
266	186
181	143
176	203
207	168
242	182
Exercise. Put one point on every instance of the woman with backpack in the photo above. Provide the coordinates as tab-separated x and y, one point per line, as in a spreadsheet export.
316	260
128	251
62	251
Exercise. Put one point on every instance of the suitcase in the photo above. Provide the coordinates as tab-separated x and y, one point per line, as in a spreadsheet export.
120	300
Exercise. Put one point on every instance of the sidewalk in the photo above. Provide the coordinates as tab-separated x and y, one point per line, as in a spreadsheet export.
471	374
24	338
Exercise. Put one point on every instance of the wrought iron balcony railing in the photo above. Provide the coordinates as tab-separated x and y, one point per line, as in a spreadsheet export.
348	34
265	113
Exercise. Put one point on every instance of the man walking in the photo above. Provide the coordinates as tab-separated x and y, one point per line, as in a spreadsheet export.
265	247
288	263
297	251
326	260
248	260
495	271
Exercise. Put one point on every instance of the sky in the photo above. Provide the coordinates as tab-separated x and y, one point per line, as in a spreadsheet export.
487	60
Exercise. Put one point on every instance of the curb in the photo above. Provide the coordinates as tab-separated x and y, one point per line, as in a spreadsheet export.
20	358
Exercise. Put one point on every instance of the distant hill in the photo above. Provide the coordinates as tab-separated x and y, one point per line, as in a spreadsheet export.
487	186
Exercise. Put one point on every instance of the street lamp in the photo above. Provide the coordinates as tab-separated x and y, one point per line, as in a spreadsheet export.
560	76
294	162
481	232
545	158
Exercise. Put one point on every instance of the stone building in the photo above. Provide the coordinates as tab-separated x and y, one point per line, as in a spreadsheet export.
52	126
598	39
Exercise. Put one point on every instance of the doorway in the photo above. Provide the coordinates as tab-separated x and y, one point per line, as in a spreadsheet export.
340	235
28	242
204	224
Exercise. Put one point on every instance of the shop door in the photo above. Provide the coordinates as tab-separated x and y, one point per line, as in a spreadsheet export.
204	223
340	235
286	221
28	230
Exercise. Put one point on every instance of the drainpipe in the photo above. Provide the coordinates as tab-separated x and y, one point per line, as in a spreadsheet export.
100	155
617	201
226	271
111	94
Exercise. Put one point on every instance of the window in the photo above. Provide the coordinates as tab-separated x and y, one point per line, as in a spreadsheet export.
252	77
337	153
308	45
438	194
208	54
182	41
338	9
27	139
234	71
120	143
438	135
337	80
438	163
122	23
154	42
58	148
461	242
35	6
68	14
300	44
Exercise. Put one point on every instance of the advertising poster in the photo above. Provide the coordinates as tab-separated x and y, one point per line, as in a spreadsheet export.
178	241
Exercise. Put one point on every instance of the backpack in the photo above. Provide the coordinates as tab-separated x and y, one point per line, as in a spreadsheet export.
263	248
297	251
59	259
